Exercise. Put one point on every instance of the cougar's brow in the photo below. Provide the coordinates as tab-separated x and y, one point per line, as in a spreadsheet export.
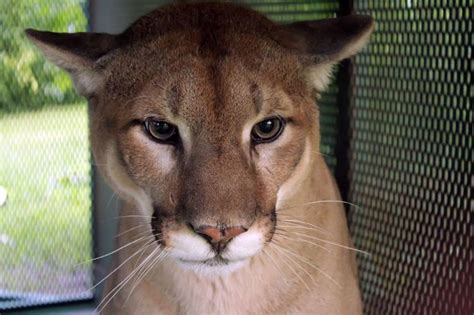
267	104
142	107
274	106
257	98
173	99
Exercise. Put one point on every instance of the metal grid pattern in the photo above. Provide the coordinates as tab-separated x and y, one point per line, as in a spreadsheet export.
45	184
292	11
411	158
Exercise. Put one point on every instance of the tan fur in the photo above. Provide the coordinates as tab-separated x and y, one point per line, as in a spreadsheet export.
214	71
264	286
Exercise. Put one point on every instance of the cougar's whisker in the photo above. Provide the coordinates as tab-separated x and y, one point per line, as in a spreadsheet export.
289	233
293	220
276	247
144	233
113	219
302	268
106	300
132	229
140	257
319	202
295	226
145	270
284	259
305	260
123	263
110	200
332	243
264	251
305	241
155	236
279	231
112	252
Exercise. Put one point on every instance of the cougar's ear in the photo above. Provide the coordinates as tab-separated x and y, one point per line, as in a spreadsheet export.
325	42
77	53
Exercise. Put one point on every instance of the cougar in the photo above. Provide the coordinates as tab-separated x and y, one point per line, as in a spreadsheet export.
203	120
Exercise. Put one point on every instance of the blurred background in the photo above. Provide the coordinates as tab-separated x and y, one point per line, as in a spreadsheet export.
396	132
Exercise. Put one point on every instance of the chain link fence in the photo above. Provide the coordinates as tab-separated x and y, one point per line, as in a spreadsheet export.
45	183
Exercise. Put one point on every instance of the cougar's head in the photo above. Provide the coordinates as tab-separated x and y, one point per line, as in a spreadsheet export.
203	116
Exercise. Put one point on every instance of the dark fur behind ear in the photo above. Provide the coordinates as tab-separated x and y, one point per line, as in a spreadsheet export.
76	53
322	43
88	45
328	40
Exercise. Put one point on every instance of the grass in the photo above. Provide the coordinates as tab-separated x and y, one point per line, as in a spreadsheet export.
45	226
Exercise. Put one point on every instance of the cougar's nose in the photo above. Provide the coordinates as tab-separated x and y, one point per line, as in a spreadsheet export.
218	237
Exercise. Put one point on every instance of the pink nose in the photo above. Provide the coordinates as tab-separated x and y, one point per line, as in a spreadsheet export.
219	237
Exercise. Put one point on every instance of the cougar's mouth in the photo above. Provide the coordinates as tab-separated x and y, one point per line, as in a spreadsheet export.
213	266
193	251
216	261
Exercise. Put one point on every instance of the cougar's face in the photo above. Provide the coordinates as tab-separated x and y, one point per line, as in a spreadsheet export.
202	116
205	147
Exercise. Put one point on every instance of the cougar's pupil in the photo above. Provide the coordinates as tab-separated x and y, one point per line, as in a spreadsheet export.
162	127
266	126
160	130
267	130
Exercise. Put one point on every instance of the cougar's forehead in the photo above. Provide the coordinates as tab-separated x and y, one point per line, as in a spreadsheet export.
210	94
203	77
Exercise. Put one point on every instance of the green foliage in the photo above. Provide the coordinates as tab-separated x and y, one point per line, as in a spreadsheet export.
27	80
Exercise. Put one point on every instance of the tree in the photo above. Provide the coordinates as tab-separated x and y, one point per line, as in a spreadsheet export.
27	80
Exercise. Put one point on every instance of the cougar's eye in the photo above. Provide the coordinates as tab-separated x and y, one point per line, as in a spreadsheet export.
161	130
268	130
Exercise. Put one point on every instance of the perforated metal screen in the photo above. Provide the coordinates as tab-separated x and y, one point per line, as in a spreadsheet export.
45	184
411	157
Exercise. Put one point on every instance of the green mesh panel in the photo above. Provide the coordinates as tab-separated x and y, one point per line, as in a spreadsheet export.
45	221
411	168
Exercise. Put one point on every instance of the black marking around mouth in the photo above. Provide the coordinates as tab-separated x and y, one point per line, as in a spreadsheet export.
273	222
156	224
213	262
